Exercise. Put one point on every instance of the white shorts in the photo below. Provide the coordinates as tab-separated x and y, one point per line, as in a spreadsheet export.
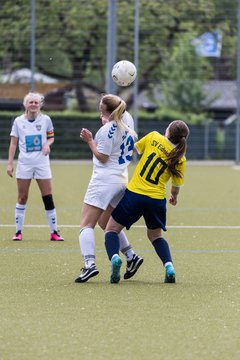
33	171
103	195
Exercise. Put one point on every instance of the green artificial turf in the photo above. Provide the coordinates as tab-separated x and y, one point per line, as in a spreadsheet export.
45	315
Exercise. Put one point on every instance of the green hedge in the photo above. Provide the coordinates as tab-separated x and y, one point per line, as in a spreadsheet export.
67	129
68	125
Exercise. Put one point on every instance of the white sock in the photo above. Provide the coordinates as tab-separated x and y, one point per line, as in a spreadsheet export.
52	219
87	246
168	263
19	216
125	246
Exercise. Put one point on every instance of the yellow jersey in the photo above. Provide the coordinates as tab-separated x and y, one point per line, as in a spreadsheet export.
152	174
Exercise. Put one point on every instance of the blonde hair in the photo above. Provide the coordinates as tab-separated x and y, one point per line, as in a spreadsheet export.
178	133
116	107
39	96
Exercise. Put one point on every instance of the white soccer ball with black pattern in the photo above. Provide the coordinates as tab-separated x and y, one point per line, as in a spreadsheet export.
124	73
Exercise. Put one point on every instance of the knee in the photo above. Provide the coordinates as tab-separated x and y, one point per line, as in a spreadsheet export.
48	202
102	224
154	234
22	199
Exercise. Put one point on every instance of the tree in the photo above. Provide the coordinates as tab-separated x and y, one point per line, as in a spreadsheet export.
70	41
184	75
71	37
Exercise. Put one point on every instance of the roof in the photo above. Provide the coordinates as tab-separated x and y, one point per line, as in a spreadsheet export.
24	75
225	93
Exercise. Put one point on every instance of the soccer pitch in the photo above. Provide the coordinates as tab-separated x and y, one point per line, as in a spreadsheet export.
45	315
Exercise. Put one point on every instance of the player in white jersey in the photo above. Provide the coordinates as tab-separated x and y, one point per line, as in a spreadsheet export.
33	133
112	151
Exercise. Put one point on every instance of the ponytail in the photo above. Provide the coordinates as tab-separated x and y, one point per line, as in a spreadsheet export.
117	106
178	133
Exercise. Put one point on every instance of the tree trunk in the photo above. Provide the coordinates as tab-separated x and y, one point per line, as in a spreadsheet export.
78	84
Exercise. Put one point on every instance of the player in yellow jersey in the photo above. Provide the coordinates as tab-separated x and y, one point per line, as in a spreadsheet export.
163	158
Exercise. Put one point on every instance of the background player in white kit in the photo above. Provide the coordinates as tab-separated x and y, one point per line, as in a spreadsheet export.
112	151
33	132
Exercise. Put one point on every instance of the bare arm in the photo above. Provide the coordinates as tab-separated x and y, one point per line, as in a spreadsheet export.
174	194
86	136
11	154
46	147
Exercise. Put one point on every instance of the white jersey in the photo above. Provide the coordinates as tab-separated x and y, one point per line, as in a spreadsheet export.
32	135
118	145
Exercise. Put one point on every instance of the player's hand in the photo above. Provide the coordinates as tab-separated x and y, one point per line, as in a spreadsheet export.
10	170
173	200
46	149
86	135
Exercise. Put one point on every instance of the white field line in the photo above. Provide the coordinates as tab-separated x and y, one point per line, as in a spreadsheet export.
234	227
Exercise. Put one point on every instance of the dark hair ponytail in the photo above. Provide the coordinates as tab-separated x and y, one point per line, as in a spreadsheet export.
178	132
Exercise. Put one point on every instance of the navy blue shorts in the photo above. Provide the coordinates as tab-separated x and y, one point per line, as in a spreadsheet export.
133	206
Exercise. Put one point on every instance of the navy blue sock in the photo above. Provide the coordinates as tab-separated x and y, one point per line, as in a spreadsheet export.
162	249
112	243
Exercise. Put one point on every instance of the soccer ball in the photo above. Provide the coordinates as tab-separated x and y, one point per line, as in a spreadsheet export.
124	73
